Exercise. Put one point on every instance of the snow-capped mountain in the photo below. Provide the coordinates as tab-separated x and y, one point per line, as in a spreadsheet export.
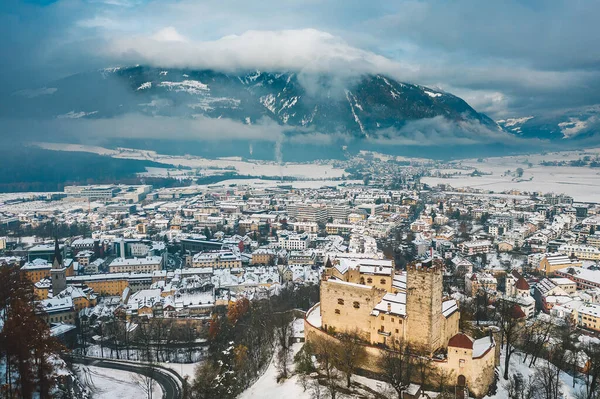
571	125
367	106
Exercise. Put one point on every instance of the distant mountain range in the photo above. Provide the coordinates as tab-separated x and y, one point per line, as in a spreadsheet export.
361	107
367	112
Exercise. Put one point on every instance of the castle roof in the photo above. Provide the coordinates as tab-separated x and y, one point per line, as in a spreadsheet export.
461	340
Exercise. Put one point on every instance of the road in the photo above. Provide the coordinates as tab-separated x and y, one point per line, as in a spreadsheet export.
169	381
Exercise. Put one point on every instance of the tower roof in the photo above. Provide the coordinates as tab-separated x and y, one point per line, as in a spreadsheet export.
461	340
522	284
58	260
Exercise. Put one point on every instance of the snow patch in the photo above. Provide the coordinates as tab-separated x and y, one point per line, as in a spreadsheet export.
145	86
432	94
289	103
514	121
76	115
356	119
268	102
187	86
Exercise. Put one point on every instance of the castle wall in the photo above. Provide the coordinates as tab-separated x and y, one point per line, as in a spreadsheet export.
450	327
386	329
347	306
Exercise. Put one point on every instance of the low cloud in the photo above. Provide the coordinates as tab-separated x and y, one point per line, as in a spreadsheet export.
303	50
440	131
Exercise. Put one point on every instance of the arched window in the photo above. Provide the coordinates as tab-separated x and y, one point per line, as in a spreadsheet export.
356	305
340	301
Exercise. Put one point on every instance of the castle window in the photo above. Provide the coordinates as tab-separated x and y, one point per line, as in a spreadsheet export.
382	318
399	321
356	305
382	281
340	301
337	311
392	319
369	280
397	331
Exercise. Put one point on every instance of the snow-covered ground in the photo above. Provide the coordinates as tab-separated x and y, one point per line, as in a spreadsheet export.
183	369
115	384
267	387
259	183
517	365
582	183
313	170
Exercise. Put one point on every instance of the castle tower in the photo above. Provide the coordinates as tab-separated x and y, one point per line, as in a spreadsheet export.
58	273
424	305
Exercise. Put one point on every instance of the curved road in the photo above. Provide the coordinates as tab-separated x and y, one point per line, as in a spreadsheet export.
169	380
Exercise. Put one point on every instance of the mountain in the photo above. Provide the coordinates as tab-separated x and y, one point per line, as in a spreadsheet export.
368	106
573	125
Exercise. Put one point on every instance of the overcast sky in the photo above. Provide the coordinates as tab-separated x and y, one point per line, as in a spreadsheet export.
506	58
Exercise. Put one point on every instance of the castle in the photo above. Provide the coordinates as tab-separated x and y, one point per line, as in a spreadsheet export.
383	306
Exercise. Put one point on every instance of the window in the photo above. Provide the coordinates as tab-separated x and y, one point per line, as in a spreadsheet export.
382	318
356	305
382	281
369	280
397	331
392	319
340	301
337	311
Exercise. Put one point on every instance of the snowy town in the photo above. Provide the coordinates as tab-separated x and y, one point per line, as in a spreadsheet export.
433	291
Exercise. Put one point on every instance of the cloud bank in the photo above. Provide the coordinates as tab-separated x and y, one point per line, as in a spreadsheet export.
306	50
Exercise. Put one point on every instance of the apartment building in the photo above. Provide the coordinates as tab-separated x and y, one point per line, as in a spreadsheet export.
135	265
217	259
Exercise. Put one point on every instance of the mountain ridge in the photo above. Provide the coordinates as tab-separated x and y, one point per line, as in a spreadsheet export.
369	105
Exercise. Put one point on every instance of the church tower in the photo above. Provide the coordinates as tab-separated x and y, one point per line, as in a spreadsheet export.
58	273
424	305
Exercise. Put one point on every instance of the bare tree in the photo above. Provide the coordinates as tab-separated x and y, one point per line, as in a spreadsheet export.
326	351
396	368
352	354
591	353
534	338
546	382
283	335
511	325
520	388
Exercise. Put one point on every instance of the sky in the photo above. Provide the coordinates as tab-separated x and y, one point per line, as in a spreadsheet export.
507	58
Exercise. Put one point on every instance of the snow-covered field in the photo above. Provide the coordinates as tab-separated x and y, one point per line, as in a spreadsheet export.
258	168
115	384
582	183
259	183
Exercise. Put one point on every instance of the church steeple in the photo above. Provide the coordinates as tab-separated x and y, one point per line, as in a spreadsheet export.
58	259
58	273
